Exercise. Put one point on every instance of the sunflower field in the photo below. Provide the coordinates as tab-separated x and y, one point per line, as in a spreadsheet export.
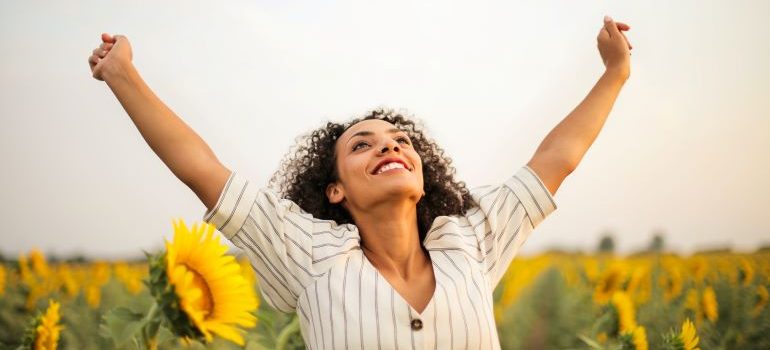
167	300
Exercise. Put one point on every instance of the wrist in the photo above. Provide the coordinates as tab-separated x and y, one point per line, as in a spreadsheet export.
119	70
618	74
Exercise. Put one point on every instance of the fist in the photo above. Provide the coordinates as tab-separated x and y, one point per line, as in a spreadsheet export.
110	55
614	47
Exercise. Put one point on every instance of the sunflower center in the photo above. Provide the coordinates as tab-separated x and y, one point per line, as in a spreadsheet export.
206	301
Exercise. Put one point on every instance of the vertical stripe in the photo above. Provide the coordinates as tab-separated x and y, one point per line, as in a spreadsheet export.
393	314
435	321
539	208
344	309
449	310
488	307
331	305
409	312
235	208
307	321
468	292
360	307
459	303
541	185
376	310
318	307
313	317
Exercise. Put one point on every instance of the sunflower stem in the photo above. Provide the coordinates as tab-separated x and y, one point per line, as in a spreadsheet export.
283	337
151	327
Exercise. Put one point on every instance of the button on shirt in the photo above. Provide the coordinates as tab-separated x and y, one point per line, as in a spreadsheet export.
316	267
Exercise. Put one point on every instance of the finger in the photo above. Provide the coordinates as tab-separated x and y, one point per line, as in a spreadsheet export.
623	26
627	42
603	34
93	60
612	28
99	52
106	46
118	37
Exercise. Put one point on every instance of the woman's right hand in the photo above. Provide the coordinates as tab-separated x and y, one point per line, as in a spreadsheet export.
110	55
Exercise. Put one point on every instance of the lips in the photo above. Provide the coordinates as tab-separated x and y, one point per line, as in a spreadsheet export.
389	160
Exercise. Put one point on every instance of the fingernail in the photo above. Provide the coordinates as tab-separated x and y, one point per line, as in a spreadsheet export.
607	18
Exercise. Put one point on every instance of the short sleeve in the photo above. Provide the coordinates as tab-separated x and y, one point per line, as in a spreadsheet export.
274	233
508	213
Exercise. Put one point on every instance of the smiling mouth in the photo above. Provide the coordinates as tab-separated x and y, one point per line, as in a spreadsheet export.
391	167
390	171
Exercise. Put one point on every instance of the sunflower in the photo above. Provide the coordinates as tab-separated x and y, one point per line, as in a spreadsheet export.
761	301
2	280
43	330
689	336
709	304
671	281
47	332
196	277
640	339
625	310
639	285
610	281
636	339
39	264
698	268
745	272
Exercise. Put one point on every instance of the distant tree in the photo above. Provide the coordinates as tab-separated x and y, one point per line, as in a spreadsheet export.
607	243
657	244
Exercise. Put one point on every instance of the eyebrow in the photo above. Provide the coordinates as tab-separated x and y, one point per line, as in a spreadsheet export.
369	133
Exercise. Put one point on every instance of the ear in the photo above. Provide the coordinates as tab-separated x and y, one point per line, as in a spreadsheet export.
335	193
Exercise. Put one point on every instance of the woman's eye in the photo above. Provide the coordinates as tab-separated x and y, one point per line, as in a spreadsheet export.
404	139
359	144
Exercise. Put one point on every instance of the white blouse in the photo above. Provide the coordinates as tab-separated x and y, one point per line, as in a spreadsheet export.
316	267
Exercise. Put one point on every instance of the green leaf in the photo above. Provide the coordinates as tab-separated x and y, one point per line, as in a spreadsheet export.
121	324
590	342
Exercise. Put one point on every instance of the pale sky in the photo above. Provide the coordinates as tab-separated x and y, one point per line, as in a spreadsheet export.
684	150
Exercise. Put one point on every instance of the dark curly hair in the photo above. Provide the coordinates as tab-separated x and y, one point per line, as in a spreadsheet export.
310	165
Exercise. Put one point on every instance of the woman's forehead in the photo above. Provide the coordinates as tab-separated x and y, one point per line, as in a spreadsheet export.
370	125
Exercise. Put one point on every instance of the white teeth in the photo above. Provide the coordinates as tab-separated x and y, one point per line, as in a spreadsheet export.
389	166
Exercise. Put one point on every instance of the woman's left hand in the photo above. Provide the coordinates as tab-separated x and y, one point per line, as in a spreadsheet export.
615	48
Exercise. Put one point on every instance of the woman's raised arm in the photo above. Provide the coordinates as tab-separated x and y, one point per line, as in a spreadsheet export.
563	148
178	146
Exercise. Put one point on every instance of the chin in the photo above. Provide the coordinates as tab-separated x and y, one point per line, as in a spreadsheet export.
400	190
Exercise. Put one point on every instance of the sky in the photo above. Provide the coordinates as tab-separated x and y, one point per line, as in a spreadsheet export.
684	151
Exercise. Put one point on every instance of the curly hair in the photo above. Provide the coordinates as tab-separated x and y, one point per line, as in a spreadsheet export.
310	165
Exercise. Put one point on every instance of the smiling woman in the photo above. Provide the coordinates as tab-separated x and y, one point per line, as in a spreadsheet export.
364	231
406	257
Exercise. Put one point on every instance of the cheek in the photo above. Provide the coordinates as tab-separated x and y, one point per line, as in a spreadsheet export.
352	167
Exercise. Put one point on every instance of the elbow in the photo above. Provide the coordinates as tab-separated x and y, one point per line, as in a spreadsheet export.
560	161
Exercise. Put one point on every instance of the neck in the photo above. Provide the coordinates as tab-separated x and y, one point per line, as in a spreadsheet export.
390	238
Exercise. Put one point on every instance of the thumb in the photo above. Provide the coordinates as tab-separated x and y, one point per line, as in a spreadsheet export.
107	38
611	27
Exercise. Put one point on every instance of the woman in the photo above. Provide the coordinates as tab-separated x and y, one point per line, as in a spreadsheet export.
368	237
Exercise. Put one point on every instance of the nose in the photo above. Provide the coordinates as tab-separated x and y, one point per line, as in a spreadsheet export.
390	144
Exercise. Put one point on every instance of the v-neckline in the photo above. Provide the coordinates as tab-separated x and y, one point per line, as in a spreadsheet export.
411	308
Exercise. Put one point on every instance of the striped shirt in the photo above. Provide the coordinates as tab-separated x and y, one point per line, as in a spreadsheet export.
316	267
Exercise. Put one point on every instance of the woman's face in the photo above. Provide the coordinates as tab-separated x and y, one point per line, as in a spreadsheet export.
363	151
